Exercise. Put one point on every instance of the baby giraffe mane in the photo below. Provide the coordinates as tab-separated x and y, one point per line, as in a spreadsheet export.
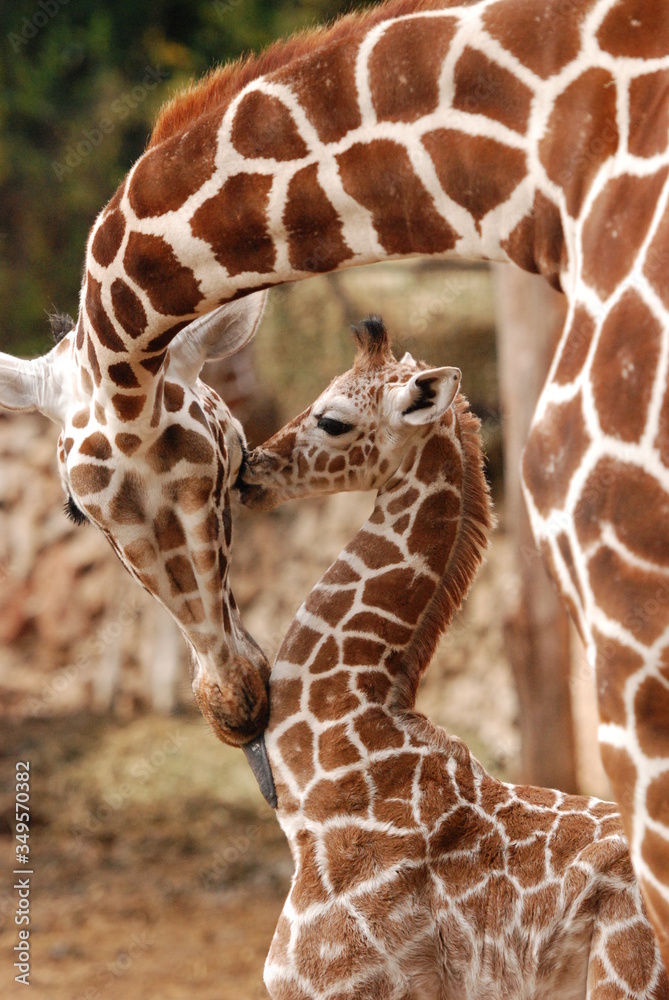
220	85
471	540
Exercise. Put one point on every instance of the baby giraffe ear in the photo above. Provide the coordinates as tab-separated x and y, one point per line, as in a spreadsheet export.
426	396
218	334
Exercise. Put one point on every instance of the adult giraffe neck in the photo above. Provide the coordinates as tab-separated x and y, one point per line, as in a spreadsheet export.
280	179
372	622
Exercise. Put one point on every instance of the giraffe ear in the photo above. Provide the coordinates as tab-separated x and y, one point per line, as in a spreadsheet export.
40	384
216	335
20	383
426	396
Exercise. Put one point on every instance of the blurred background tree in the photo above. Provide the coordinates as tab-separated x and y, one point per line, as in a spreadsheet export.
80	84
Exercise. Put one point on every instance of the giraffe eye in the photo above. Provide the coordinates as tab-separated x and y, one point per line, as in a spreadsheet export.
73	512
333	427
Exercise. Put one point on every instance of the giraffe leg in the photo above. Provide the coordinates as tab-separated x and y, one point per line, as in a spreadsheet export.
594	480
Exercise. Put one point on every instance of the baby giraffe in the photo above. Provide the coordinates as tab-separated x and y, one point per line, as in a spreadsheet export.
418	876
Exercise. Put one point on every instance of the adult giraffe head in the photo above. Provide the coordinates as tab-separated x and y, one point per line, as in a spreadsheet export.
148	452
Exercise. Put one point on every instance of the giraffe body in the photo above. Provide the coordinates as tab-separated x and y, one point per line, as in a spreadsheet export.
529	131
417	874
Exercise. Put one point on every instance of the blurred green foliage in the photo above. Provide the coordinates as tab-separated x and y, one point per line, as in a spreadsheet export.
80	84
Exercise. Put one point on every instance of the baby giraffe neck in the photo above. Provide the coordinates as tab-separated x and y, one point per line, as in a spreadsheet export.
360	642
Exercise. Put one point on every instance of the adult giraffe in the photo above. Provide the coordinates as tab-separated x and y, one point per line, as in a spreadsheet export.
531	131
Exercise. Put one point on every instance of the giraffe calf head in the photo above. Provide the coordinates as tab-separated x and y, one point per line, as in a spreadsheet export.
157	484
357	433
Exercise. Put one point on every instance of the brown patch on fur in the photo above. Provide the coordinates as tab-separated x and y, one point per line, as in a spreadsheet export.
341	573
401	592
326	658
374	684
623	592
93	360
404	67
547	469
576	346
632	501
298	644
635	29
307	886
128	407
521	26
286	696
374	550
484	87
362	652
128	443
87	478
150	261
608	225
330	698
476	172
585	111
377	730
379	175
624	367
174	397
140	553
354	855
389	632
108	238
324	82
127	507
169	530
649	114
238	247
99	319
315	241
128	308
167	176
81	418
123	375
297	749
97	446
331	607
181	575
347	795
177	443
264	128
650	709
335	748
190	493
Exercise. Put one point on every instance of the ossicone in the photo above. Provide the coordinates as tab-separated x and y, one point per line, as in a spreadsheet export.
61	324
371	338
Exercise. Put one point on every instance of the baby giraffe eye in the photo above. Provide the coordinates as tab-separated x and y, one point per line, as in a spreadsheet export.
73	512
333	427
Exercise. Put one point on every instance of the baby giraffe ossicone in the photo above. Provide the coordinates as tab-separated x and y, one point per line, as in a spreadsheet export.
418	876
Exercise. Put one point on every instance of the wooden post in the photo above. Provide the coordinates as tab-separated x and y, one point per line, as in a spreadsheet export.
530	316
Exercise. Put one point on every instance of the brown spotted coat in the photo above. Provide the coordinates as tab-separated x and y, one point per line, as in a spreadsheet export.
417	874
